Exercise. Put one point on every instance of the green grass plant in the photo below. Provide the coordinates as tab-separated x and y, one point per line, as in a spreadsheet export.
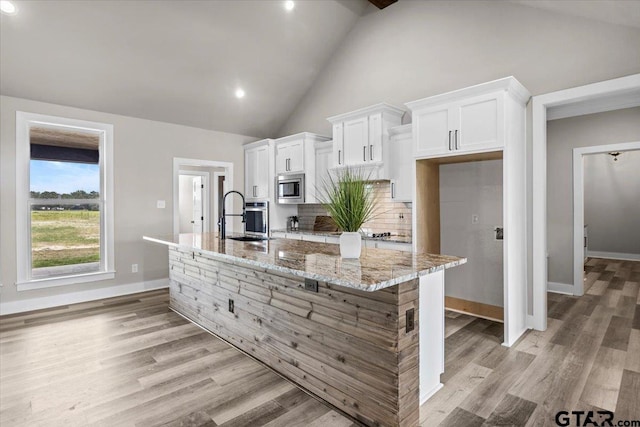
348	198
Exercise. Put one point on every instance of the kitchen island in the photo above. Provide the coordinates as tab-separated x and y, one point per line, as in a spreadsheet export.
366	335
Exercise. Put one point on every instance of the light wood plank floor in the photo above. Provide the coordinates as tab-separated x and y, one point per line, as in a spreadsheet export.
131	361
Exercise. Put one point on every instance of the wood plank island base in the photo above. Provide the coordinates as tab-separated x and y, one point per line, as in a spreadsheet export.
365	336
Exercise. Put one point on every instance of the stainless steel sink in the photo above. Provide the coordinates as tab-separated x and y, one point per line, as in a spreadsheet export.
248	238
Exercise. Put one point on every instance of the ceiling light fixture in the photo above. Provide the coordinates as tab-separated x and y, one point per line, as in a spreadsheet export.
8	8
289	5
615	155
239	93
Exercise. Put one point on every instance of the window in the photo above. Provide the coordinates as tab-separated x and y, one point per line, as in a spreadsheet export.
64	201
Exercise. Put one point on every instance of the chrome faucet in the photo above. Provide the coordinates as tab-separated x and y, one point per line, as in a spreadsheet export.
222	221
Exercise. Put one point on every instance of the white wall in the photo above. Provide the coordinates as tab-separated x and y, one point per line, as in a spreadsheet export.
143	164
467	189
414	49
562	137
612	202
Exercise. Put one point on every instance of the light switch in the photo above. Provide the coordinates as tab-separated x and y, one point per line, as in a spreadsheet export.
160	204
475	219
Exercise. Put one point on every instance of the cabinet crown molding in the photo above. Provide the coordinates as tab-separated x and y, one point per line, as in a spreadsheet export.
508	84
398	132
303	135
259	143
382	107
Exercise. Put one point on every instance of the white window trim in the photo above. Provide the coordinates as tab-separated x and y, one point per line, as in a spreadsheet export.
24	122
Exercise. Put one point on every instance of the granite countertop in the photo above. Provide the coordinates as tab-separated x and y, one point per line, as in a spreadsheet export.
375	269
394	239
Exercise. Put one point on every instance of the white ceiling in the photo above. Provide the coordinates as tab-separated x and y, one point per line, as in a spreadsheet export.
181	61
173	61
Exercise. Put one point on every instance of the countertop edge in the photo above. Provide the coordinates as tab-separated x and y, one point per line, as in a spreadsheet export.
366	288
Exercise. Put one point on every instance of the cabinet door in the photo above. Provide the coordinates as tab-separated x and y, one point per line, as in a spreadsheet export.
250	161
401	169
356	141
431	127
338	146
282	156
478	123
374	150
290	157
261	172
324	157
296	156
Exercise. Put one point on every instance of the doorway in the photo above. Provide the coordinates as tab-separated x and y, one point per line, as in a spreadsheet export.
188	174
193	201
602	183
623	92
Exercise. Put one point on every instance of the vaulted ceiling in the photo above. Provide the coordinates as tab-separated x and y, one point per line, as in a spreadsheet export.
173	61
182	61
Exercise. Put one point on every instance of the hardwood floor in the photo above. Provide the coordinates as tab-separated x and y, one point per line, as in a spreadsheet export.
587	359
130	361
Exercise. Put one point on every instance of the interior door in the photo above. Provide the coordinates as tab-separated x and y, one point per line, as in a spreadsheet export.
198	218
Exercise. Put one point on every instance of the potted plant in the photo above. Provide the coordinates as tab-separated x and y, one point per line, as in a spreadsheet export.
349	199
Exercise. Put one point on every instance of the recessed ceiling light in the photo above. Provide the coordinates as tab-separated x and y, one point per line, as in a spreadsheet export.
239	93
289	5
8	8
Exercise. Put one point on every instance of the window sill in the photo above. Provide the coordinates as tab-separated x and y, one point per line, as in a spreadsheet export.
65	280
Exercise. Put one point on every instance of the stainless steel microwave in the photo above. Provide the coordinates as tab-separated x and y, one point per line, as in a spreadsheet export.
290	188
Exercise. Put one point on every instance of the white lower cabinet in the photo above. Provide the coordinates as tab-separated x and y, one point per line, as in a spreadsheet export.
396	246
314	238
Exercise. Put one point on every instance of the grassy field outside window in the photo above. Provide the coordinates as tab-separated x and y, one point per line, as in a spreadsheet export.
64	237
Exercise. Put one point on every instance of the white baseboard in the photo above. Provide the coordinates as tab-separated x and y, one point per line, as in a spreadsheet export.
31	304
614	255
427	395
561	288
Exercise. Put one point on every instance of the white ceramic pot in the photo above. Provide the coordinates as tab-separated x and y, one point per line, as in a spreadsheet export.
350	245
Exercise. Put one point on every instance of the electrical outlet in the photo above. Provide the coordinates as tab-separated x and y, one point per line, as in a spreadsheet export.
161	204
232	306
311	285
410	314
134	268
475	219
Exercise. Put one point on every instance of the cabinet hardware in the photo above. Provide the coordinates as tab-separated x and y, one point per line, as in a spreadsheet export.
339	154
364	153
449	140
371	152
393	190
457	140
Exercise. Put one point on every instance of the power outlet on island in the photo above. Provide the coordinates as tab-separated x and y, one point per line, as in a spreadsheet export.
134	268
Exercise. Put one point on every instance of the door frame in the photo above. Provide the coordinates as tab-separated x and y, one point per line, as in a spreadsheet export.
206	200
181	162
578	204
593	98
225	188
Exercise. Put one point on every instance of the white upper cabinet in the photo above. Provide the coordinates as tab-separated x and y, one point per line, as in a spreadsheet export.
360	138
465	121
296	154
290	156
258	176
338	144
401	168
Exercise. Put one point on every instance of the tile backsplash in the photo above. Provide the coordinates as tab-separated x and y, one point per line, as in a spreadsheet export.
387	216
